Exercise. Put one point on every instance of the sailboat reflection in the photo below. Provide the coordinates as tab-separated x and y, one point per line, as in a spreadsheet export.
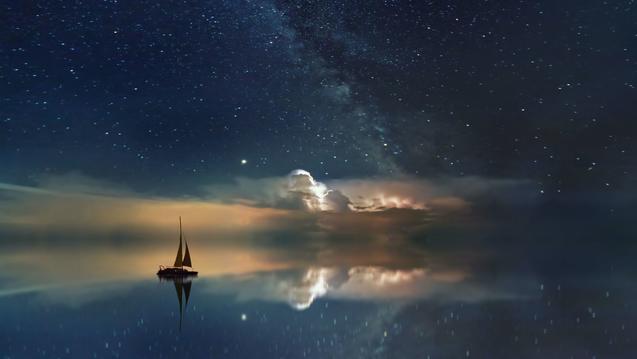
183	286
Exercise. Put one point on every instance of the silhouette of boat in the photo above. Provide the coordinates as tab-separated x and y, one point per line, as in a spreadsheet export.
182	266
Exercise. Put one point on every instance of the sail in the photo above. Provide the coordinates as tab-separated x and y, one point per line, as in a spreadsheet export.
187	261
178	262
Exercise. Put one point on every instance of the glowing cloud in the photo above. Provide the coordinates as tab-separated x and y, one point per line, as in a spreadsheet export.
316	195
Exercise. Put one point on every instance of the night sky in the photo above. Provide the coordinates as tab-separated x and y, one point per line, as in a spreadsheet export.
358	179
167	96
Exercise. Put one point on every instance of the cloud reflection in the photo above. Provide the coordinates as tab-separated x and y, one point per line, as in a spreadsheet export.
301	288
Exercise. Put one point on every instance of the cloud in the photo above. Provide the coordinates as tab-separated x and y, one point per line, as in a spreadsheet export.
441	194
295	239
312	193
102	208
315	195
297	191
289	219
291	222
300	190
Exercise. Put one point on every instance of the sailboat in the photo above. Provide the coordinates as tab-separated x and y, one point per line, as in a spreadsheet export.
182	266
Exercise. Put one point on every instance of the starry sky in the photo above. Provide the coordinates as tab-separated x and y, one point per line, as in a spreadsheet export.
166	97
447	137
385	179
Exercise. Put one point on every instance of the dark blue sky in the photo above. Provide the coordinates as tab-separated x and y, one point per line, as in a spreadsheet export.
469	188
166	96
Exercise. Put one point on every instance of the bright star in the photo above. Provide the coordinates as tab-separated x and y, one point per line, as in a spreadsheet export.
244	161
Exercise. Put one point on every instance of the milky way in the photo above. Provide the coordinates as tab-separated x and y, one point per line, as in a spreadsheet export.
166	97
357	179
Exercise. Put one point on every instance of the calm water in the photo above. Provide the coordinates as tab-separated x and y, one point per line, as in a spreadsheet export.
566	318
547	283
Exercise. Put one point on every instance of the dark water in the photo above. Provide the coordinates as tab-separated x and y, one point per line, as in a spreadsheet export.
567	318
547	283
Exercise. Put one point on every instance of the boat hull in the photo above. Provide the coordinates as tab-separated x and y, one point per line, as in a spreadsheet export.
176	272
